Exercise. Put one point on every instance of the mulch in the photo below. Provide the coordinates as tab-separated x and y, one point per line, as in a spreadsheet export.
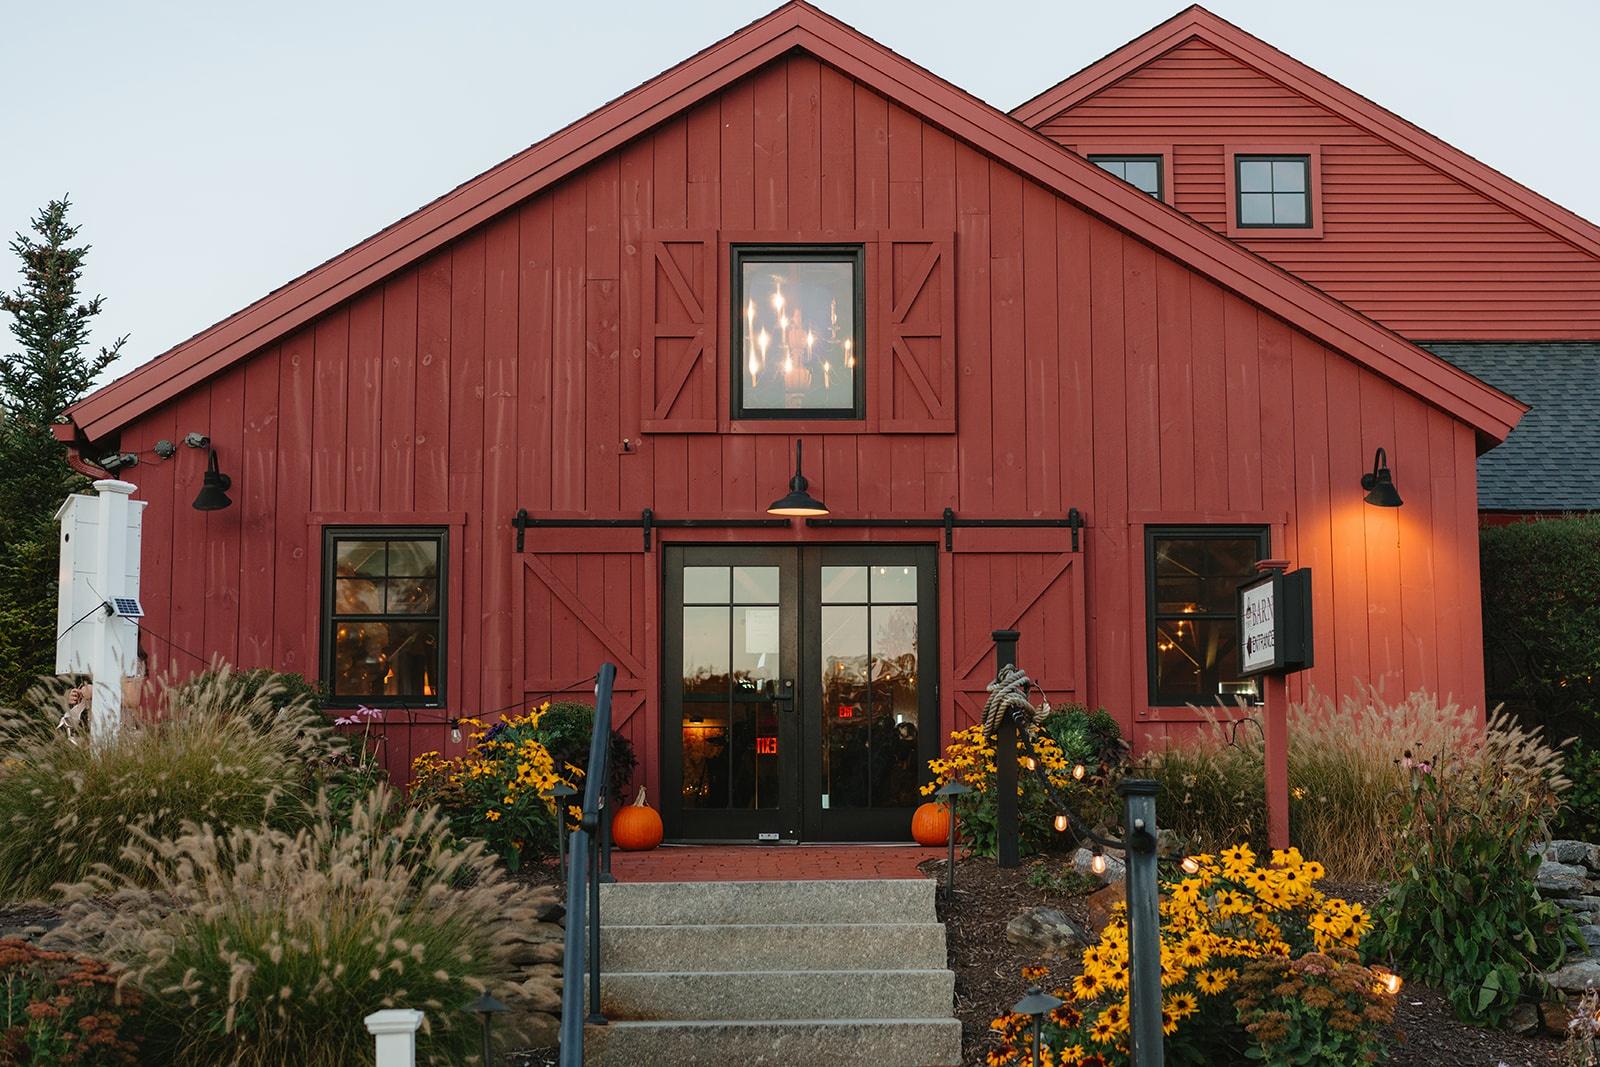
989	982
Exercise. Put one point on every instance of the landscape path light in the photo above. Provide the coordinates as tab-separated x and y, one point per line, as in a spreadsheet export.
486	1008
950	790
1036	1005
562	792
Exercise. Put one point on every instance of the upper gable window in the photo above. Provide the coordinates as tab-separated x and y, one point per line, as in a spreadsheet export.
1141	172
798	321
1273	191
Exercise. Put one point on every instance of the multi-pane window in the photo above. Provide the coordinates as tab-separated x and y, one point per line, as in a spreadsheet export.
383	615
1142	172
1193	576
798	315
1273	190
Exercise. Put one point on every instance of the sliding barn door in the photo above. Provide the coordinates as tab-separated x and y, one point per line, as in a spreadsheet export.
1024	580
586	597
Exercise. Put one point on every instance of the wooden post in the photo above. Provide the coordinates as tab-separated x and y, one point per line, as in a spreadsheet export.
1007	826
1275	731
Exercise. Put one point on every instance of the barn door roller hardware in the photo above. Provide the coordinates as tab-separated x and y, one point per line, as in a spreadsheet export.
647	521
948	521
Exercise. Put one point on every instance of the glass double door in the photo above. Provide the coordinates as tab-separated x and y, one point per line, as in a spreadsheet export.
799	691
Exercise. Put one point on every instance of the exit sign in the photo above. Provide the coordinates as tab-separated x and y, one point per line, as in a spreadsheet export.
766	746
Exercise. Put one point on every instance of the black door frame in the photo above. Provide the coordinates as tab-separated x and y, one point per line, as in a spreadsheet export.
799	815
781	823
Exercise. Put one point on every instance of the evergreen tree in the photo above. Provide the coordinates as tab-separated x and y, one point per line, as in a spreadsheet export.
52	369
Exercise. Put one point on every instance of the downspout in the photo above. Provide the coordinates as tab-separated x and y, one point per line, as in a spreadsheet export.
77	447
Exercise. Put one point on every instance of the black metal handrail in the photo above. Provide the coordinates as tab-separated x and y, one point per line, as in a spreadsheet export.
584	873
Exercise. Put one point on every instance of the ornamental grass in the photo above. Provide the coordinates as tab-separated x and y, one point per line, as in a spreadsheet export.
211	752
259	947
1346	777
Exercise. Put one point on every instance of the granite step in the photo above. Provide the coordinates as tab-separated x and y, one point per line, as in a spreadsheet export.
909	900
746	995
894	1042
772	947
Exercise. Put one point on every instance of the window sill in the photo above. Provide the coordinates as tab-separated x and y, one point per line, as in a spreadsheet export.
797	426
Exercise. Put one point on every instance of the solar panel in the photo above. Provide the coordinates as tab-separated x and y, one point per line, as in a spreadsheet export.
126	606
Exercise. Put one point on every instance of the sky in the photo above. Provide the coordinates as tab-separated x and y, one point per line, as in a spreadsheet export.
215	151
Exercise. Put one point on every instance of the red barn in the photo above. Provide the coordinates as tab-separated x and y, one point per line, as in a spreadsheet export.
540	423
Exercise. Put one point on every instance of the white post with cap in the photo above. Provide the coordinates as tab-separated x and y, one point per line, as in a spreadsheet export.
395	1031
100	545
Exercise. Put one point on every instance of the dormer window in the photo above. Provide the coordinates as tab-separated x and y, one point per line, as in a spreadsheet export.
1273	191
799	313
1143	172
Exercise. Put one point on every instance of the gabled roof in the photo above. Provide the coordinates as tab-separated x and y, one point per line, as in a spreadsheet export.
797	25
1552	462
1196	23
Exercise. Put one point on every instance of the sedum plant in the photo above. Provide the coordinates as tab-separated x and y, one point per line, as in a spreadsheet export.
58	1008
212	753
258	947
1464	913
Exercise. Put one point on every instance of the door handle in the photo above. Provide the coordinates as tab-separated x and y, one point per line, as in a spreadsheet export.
782	692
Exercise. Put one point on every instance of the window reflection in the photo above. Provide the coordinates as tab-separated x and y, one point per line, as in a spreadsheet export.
870	687
731	657
384	621
1194	577
797	338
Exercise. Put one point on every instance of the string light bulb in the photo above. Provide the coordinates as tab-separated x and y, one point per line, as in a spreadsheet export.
1190	865
1029	763
1061	824
1078	771
1097	863
455	731
1388	980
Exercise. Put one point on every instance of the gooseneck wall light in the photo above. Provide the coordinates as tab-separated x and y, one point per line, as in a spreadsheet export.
1380	483
798	503
214	486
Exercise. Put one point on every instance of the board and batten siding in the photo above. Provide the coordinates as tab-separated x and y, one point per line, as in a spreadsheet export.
1091	371
1402	242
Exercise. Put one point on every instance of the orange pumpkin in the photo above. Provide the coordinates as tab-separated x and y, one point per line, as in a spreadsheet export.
636	827
930	824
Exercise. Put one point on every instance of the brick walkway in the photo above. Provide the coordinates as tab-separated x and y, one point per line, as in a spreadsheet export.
769	863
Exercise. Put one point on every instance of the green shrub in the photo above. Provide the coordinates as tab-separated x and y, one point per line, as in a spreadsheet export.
261	693
1541	612
56	1007
1344	777
261	947
212	755
1580	814
1323	1009
1464	913
564	730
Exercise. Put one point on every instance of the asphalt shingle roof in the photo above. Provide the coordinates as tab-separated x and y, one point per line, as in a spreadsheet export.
1551	461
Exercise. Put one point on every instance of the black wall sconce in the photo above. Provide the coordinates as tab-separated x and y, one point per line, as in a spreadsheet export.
214	486
1380	483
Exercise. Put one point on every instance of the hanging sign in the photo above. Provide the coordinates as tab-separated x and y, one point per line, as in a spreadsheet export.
1275	623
